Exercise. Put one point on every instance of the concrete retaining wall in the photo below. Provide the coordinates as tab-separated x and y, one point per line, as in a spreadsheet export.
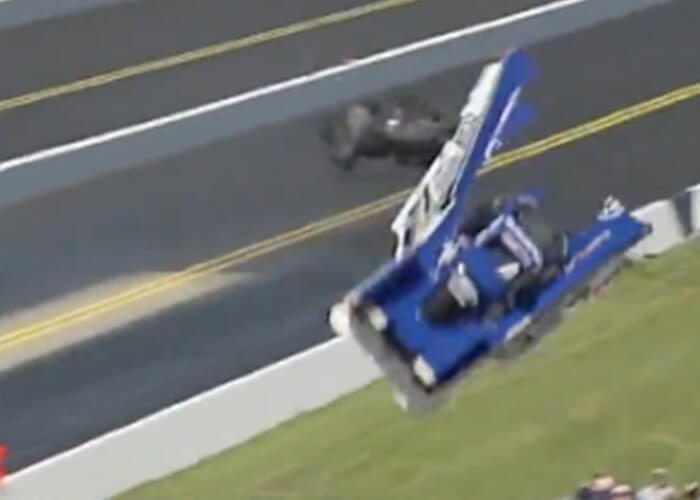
675	220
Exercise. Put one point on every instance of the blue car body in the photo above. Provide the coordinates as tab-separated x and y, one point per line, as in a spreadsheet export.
383	312
401	287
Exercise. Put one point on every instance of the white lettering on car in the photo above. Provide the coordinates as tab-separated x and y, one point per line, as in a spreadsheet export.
588	249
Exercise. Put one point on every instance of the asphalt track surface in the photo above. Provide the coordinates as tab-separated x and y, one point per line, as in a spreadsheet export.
122	35
49	235
146	222
176	215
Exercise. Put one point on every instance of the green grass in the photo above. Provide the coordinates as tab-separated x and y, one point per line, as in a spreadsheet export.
615	388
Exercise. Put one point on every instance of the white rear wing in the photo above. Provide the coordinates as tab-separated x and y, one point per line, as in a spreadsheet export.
433	198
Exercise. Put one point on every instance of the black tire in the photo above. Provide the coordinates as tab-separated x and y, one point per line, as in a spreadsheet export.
344	158
335	135
414	107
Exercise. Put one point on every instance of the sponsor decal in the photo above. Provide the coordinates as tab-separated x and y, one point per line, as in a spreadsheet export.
496	143
594	244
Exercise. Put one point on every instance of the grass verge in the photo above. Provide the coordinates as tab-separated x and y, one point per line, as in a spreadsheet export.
615	388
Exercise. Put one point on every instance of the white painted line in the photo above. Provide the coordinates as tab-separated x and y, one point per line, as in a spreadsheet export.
277	87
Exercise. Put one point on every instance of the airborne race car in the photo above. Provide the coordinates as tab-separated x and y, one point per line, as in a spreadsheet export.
412	132
386	314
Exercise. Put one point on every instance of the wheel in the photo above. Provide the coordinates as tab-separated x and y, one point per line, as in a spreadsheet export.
344	159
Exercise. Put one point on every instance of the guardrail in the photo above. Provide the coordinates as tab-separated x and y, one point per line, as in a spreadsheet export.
188	432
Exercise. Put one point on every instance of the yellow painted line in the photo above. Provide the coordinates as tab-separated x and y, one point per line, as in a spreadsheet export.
596	126
44	328
203	53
